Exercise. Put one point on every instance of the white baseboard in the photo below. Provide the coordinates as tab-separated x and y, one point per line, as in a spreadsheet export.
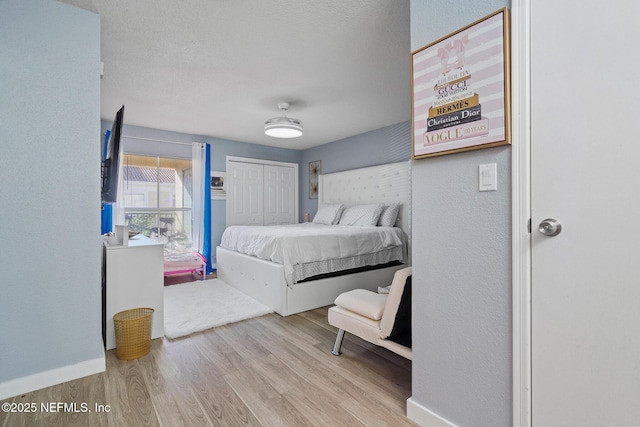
424	416
40	380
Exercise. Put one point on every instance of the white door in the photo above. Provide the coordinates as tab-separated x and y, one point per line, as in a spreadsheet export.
279	195
585	149
244	193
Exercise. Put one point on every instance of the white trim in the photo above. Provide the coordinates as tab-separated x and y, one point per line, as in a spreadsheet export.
159	140
44	379
260	161
424	416
521	212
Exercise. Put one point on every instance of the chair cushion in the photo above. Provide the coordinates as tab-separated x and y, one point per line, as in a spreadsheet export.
366	303
355	324
393	301
401	332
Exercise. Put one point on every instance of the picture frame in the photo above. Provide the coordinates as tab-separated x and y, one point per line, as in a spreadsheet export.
217	185
315	169
461	89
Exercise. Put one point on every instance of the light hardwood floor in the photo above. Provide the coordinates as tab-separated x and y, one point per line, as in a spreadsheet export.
267	371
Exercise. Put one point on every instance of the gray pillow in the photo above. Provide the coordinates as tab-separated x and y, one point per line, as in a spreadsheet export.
328	214
362	215
389	215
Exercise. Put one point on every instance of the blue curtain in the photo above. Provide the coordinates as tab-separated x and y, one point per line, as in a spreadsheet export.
107	210
201	183
206	241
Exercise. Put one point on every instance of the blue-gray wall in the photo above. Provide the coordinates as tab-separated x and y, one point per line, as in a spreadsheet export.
142	140
50	316
461	262
50	297
220	149
385	145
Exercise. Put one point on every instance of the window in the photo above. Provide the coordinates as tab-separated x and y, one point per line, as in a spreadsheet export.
158	199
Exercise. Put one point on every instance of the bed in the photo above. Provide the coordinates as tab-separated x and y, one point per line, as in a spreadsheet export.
289	285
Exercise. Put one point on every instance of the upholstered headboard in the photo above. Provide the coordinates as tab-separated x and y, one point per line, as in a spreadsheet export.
388	183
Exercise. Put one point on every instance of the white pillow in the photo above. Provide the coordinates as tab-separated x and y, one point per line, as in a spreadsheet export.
389	215
328	214
362	215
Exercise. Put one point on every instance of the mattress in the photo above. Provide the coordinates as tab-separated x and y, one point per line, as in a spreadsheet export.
309	249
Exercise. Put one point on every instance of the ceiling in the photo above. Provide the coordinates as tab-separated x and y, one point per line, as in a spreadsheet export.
219	67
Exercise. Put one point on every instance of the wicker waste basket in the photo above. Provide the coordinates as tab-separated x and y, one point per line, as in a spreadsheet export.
133	332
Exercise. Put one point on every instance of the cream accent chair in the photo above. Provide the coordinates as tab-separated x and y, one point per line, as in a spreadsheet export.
382	319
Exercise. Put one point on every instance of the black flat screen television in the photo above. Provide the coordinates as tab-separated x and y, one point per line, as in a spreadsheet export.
111	163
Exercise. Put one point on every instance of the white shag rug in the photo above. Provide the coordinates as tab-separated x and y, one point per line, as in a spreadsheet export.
197	306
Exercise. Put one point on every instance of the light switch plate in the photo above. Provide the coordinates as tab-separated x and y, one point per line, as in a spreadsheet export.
488	177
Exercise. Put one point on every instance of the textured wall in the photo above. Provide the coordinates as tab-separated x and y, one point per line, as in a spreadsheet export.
462	263
50	298
220	149
386	145
151	144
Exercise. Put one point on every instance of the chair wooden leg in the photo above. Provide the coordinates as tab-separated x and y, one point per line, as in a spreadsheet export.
338	345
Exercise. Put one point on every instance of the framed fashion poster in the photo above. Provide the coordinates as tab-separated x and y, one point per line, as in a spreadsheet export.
460	89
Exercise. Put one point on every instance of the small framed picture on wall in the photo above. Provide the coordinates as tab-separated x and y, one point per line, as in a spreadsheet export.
217	185
315	169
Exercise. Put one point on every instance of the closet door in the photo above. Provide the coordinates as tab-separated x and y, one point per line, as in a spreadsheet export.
279	195
245	193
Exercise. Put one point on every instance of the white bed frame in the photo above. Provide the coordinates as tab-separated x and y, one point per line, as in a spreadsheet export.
265	281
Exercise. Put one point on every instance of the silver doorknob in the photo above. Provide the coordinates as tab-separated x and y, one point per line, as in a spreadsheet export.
550	227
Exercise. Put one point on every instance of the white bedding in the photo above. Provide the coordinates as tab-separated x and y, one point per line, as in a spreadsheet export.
297	244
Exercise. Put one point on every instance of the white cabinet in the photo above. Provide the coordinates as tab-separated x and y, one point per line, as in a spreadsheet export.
260	192
134	279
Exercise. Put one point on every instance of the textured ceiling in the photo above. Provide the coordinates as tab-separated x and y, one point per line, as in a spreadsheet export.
219	67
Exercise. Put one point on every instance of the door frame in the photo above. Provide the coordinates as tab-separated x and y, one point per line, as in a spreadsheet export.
521	210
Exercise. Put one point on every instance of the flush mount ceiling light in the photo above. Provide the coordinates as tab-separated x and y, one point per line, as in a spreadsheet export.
283	126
